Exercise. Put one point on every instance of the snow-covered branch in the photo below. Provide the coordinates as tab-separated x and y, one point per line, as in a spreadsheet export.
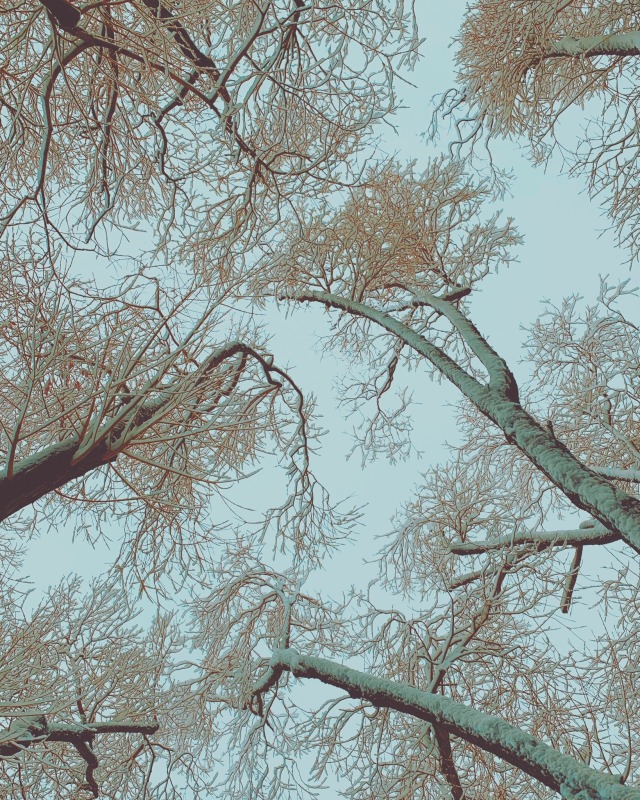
53	467
614	44
614	509
500	376
538	539
559	772
36	730
629	475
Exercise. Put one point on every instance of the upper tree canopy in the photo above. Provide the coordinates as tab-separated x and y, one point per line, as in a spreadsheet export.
173	173
524	69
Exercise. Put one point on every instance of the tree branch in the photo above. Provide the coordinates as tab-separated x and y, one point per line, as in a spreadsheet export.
629	475
36	730
187	46
615	44
447	764
616	510
570	583
64	13
559	772
538	539
500	376
54	466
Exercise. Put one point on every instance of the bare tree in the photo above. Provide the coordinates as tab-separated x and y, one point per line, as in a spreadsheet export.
476	675
523	67
136	137
200	120
140	397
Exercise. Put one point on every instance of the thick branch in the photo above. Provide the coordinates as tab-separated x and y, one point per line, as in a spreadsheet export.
570	583
39	730
500	376
538	539
615	509
64	12
53	467
36	730
559	772
186	44
447	764
629	475
615	44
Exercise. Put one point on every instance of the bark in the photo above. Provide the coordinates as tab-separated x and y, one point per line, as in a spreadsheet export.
615	44
36	730
39	730
64	13
447	763
561	773
53	467
615	509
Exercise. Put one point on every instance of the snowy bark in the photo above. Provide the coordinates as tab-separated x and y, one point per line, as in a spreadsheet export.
54	466
561	773
498	401
615	44
630	475
538	539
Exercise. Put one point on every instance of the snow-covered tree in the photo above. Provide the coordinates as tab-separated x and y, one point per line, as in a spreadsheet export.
525	69
169	171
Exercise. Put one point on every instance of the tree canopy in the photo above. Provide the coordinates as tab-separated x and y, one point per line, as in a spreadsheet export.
176	175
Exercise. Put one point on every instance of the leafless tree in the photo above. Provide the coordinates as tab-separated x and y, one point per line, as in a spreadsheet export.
139	137
139	398
476	674
523	67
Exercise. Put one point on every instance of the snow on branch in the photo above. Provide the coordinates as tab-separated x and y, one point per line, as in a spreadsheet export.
50	468
540	540
614	509
28	731
500	376
629	475
559	772
614	44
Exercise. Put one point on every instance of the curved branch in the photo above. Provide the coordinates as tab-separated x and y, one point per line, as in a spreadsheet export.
65	13
500	376
559	772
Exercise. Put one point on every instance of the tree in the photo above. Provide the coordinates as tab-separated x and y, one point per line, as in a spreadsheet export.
523	67
140	398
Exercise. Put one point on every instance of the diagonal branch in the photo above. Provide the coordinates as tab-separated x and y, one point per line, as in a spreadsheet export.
613	508
54	466
187	46
559	772
500	376
65	13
